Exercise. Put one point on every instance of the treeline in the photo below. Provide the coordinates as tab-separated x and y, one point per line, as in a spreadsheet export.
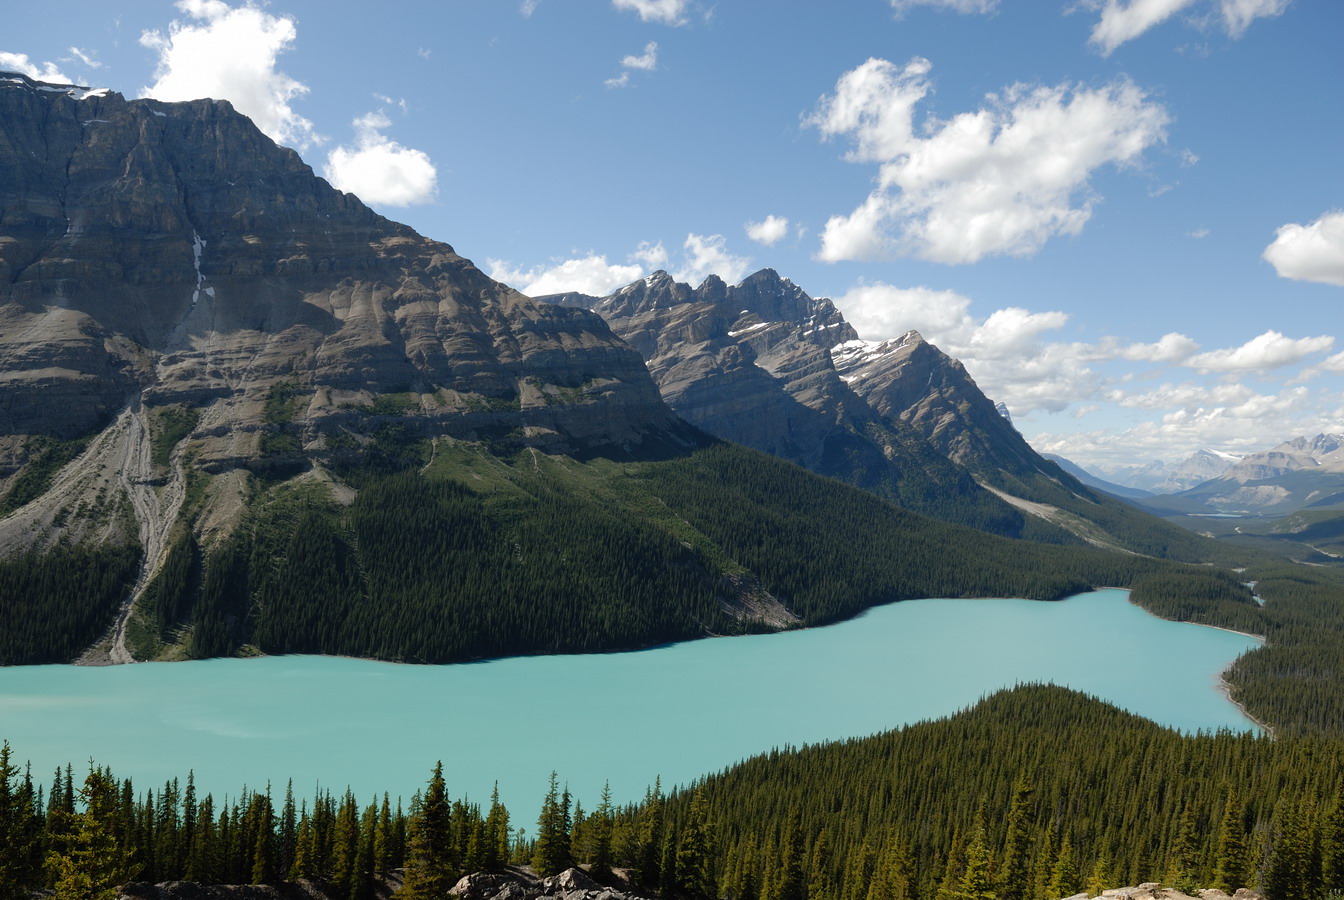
1037	792
55	604
423	568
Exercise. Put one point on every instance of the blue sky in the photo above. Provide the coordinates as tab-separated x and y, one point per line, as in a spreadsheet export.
1126	217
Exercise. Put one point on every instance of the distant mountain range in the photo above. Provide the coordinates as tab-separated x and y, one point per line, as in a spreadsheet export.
1158	477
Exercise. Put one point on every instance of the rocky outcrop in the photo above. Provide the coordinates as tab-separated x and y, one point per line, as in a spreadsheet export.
1154	891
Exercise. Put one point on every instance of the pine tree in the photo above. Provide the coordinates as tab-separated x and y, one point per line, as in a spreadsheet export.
791	884
1064	874
92	865
1332	849
977	882
429	865
601	828
18	869
695	848
552	853
1181	863
821	876
1014	873
1229	870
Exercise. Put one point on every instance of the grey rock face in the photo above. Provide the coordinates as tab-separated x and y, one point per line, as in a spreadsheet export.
174	253
756	363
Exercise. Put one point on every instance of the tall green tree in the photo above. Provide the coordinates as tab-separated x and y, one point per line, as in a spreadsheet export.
552	852
430	868
91	864
19	865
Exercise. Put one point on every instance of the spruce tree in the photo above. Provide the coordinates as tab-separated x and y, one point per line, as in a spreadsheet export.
91	864
18	863
1014	872
1230	862
429	865
552	853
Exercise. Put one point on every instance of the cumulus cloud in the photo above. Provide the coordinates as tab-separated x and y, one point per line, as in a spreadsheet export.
1312	252
379	170
645	62
959	6
1270	350
769	231
230	53
651	253
590	274
1170	348
706	255
667	12
1235	420
19	62
1124	20
1000	180
1004	352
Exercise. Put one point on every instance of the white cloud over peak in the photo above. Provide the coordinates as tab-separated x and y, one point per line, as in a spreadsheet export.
1170	348
769	231
230	53
707	255
998	181
591	275
964	7
379	170
19	62
1124	20
1270	350
1312	252
668	12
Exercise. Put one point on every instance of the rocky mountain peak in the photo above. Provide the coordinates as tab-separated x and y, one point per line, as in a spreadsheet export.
157	255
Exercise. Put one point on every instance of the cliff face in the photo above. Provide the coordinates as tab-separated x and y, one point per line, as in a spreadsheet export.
171	253
753	363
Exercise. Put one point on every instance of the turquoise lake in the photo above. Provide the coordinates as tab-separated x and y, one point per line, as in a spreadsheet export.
678	711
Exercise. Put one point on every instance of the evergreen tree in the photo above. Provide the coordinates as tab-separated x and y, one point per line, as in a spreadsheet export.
430	871
695	848
977	882
791	884
552	852
91	865
1230	863
821	876
1014	870
1064	873
1181	861
18	836
601	826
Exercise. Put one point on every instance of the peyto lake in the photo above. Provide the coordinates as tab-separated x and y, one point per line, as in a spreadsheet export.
677	711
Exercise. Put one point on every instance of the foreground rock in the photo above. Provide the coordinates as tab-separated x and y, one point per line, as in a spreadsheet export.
513	884
1154	891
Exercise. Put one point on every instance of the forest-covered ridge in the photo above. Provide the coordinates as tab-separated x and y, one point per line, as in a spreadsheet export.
987	803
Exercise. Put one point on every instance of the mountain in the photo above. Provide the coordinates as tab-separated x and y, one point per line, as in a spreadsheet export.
752	363
1159	478
244	413
1306	473
763	364
1101	484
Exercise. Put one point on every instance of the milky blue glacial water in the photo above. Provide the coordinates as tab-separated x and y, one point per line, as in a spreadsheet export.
677	711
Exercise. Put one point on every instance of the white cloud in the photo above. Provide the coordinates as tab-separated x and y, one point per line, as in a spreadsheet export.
668	12
1239	14
1236	420
706	255
528	8
1170	348
1121	21
1124	20
959	6
652	254
770	231
19	62
86	58
647	61
1198	234
379	170
591	275
1189	157
1000	180
229	53
1312	252
1270	350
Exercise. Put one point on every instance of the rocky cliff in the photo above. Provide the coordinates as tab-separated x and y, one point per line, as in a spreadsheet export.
755	363
168	256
